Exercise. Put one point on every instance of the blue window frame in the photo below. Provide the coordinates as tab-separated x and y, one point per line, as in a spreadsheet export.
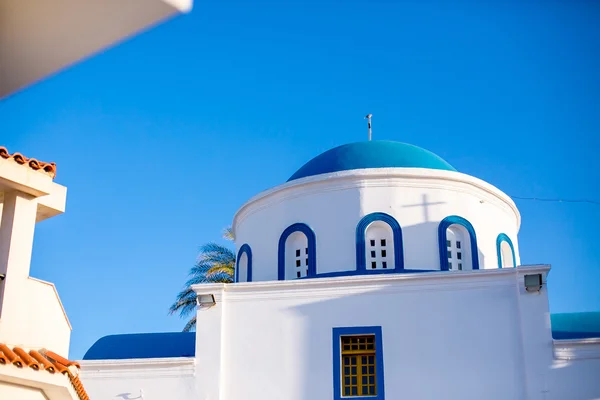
442	240
361	229
244	249
338	335
504	238
312	249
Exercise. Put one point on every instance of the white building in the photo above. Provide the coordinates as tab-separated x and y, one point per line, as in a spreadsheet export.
377	271
33	322
37	39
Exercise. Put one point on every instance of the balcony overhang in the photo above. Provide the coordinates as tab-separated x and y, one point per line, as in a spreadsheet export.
51	196
41	37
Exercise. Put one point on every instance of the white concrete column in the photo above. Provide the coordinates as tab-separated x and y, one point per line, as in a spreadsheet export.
534	314
17	227
209	343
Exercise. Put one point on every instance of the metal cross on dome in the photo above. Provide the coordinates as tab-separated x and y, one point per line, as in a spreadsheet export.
368	117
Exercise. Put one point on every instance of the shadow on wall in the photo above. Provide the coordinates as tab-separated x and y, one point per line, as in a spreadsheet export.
128	396
426	333
482	260
430	333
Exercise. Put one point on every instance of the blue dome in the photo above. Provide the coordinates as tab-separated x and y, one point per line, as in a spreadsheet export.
143	345
373	154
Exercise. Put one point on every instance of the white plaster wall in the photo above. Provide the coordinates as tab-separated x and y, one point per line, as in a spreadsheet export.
333	204
463	335
39	320
31	314
153	379
9	391
43	308
442	338
574	380
555	370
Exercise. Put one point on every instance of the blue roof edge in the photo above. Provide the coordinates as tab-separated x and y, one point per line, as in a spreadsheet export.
580	325
143	345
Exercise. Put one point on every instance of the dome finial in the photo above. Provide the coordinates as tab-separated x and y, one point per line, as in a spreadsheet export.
368	117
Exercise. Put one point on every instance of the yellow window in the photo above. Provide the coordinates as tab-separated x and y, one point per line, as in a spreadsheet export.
358	366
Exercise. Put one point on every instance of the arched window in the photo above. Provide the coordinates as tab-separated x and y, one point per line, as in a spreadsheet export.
297	253
458	245
380	246
243	271
506	252
379	243
296	256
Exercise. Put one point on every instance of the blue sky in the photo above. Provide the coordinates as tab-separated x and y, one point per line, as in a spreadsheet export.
160	139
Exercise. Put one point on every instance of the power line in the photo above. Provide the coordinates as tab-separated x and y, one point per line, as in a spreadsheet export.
596	202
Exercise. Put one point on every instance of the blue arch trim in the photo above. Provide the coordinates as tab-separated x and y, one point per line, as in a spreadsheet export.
361	228
503	237
444	225
312	249
244	249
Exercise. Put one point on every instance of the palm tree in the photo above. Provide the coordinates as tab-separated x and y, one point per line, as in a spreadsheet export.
215	264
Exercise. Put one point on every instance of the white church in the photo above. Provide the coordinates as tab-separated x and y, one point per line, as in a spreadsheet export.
377	271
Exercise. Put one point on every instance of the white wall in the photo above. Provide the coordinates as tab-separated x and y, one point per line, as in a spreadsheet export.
26	303
9	391
440	333
42	308
446	335
574	380
461	335
333	204
154	379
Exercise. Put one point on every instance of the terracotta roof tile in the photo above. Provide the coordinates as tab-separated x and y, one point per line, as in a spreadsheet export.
43	360
48	168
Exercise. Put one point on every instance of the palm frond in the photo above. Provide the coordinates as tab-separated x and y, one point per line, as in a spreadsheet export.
185	303
215	253
191	325
215	264
228	233
221	277
220	269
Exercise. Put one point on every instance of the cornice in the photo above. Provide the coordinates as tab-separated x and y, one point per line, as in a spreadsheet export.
378	177
132	368
574	349
348	285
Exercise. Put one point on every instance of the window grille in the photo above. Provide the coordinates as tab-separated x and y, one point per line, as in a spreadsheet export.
455	250
380	246
301	262
358	366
